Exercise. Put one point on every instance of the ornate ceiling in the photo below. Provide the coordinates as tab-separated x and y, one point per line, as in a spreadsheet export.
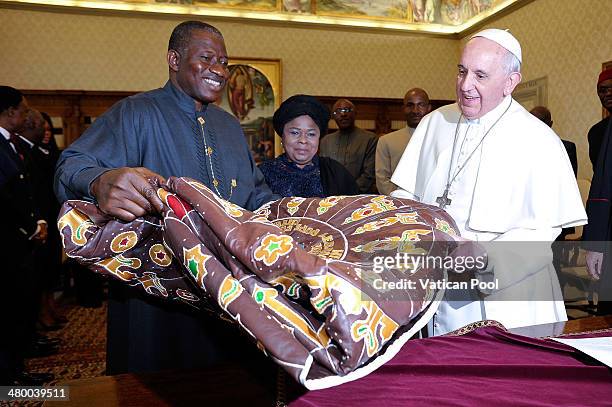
445	17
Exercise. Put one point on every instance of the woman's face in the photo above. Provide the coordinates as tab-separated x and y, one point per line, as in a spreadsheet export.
301	140
48	133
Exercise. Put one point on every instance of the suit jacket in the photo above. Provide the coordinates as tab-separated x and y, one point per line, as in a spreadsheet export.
596	137
17	202
40	164
571	153
597	234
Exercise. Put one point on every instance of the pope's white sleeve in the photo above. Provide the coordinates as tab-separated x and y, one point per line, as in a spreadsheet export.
402	193
518	254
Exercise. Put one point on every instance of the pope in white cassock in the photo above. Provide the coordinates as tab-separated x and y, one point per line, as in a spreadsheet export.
503	175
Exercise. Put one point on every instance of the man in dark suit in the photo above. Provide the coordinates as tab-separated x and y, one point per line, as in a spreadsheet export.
598	233
596	133
23	229
544	115
40	166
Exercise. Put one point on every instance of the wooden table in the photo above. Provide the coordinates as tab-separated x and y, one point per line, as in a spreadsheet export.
228	386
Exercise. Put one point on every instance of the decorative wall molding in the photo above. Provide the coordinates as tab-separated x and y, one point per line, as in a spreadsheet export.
532	93
440	17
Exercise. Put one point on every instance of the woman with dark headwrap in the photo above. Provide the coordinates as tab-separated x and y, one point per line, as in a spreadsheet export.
300	121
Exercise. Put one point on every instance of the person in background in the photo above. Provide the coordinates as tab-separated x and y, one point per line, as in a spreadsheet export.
36	132
545	116
24	230
596	236
351	146
391	146
596	133
299	121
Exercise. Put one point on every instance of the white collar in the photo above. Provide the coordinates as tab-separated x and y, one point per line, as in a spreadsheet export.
5	133
26	140
489	118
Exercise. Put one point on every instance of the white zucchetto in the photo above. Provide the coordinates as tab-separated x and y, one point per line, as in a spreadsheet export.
503	38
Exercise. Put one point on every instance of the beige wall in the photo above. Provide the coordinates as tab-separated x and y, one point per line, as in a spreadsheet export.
566	40
95	52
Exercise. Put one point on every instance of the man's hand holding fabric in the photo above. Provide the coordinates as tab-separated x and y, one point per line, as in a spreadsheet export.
127	193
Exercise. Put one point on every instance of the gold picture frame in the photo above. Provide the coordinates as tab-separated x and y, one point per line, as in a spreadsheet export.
252	95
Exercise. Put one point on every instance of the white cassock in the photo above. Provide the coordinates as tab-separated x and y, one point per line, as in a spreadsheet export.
516	185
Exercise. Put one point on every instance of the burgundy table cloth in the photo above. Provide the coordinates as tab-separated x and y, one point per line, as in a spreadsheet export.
486	367
296	275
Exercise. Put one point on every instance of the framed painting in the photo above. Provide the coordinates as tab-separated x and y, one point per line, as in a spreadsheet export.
252	94
532	93
379	9
264	5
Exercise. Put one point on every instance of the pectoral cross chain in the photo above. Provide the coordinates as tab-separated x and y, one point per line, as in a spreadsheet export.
443	200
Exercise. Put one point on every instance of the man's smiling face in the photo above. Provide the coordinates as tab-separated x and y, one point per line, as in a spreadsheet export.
201	69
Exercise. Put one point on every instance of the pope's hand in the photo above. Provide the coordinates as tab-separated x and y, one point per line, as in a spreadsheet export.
469	256
127	193
593	262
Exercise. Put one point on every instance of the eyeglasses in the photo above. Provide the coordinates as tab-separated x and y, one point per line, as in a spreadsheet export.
341	110
604	89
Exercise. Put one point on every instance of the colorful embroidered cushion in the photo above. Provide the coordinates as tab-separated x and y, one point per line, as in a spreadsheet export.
303	277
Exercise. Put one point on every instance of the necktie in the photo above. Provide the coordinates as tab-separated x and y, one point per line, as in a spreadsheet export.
14	139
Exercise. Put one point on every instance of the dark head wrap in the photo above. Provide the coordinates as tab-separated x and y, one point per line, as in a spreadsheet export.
604	75
299	105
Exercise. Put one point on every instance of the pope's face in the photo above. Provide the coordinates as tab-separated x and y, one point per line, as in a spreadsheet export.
201	69
482	82
301	140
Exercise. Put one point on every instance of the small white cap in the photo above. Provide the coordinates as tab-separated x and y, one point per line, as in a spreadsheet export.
503	38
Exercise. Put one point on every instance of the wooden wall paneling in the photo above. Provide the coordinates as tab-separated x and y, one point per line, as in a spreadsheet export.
381	112
74	107
79	108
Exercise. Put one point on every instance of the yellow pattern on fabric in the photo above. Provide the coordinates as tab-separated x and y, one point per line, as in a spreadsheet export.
149	281
294	204
403	242
445	227
350	298
404	218
160	255
124	241
272	247
377	205
229	290
114	266
289	285
268	297
78	223
326	203
163	195
377	324
195	262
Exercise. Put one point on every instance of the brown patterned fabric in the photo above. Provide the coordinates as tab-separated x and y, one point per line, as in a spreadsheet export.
296	275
